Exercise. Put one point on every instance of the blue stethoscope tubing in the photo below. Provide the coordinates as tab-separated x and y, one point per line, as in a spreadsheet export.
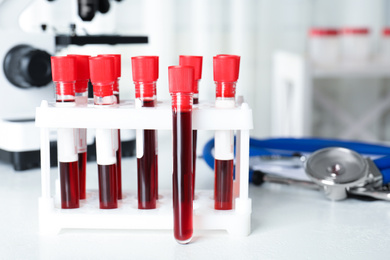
289	146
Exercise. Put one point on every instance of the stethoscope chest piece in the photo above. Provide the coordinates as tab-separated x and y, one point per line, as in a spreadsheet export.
337	169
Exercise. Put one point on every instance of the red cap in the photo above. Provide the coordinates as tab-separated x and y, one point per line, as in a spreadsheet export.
82	72
102	70
181	79
226	68
63	68
82	63
324	32
144	68
195	62
118	67
386	31
355	30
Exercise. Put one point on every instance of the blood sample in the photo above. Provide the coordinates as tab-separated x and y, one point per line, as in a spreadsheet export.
196	63
145	75
181	79
117	69
64	77
103	78
81	95
226	70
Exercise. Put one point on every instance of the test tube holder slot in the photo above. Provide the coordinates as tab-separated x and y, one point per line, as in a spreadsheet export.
125	116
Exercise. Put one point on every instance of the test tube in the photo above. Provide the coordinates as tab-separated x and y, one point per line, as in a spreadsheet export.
103	78
145	75
181	79
196	63
226	70
64	77
81	96
117	69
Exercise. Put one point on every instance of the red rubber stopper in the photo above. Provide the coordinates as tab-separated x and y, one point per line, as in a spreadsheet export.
324	32
145	73
181	79
102	71
144	68
117	65
82	72
63	68
195	62
82	64
226	68
117	68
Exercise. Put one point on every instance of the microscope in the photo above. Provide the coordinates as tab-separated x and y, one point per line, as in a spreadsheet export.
25	77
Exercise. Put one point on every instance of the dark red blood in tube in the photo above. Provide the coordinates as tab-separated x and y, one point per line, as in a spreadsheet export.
69	179
108	193
194	140
181	80
182	176
146	168
82	174
223	190
119	166
119	158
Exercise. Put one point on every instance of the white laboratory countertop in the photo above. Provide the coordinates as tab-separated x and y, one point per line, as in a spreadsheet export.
287	223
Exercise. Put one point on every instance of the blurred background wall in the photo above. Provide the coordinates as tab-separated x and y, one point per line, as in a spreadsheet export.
254	29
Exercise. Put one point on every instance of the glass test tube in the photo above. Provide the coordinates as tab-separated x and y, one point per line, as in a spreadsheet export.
181	79
81	97
117	71
64	77
103	78
226	69
145	75
196	63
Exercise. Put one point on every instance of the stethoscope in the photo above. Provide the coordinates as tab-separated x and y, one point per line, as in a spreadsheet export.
337	167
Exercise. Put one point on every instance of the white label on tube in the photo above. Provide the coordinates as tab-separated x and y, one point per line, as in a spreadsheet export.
224	139
105	146
140	143
139	134
224	145
82	140
115	139
66	142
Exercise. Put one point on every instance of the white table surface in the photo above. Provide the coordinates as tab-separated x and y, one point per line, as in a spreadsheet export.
287	223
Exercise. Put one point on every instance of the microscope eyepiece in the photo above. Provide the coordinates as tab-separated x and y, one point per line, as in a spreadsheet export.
88	8
26	67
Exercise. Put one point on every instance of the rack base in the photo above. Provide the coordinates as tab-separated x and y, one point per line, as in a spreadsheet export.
53	219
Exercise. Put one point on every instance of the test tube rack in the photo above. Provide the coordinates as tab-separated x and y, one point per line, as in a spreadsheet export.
53	219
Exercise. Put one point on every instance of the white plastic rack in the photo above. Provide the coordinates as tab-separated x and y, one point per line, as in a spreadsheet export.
127	216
